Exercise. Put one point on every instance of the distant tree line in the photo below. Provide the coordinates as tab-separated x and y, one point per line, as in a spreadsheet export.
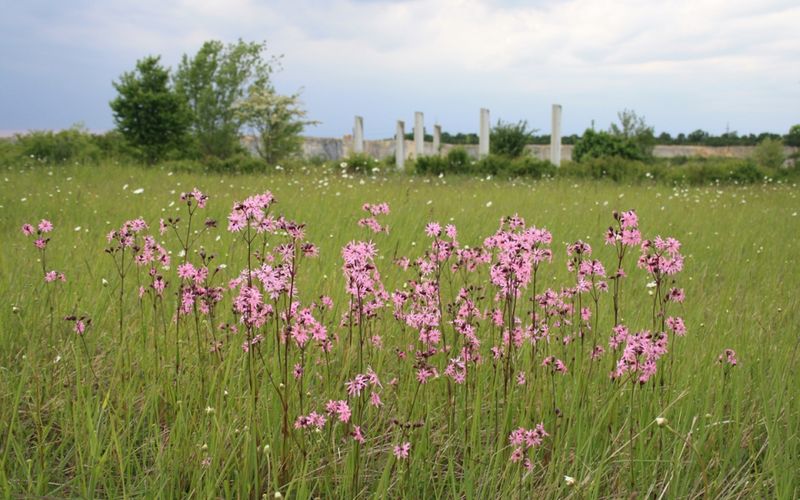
697	138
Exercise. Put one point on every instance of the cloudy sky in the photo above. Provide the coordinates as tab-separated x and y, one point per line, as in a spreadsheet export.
710	64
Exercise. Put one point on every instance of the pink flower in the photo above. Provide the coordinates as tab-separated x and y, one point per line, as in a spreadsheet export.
629	219
401	450
557	364
357	434
676	325
433	229
27	229
45	226
339	408
355	386
728	357
52	276
426	373
186	271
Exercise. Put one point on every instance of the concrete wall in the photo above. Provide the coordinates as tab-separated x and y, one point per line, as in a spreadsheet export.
331	148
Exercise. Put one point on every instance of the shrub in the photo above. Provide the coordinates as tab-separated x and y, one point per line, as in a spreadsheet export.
492	165
457	161
528	166
241	163
113	146
769	154
634	130
510	139
74	145
603	144
431	165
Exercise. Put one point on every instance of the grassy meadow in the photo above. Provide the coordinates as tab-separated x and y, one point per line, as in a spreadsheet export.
108	414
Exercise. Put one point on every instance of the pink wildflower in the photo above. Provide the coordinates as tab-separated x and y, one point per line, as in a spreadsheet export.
401	451
728	356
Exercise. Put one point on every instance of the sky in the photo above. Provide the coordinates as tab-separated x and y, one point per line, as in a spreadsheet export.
716	65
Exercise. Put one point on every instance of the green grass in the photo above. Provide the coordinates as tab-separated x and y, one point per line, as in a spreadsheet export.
108	418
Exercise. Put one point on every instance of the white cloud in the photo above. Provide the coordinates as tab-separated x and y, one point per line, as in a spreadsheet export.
587	52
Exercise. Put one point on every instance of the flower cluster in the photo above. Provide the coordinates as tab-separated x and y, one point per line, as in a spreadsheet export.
523	440
374	211
642	351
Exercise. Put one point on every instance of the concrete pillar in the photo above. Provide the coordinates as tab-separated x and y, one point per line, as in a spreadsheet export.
419	135
437	139
555	136
358	135
483	141
399	145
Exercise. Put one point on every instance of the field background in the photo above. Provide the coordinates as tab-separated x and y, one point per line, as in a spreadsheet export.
133	431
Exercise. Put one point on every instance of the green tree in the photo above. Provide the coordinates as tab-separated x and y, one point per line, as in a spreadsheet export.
601	144
769	153
276	122
147	112
212	83
510	139
633	129
793	137
699	136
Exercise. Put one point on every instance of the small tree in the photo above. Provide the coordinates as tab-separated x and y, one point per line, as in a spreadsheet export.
769	153
276	120
601	144
212	83
510	139
147	112
635	130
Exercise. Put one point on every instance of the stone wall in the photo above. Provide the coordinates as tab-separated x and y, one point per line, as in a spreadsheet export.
331	148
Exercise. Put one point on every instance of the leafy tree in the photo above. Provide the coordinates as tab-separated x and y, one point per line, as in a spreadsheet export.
699	136
510	139
633	129
147	112
276	120
793	137
212	83
769	153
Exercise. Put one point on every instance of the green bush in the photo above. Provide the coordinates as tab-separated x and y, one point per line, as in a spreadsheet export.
492	165
113	146
525	166
240	163
528	166
510	139
457	161
74	145
769	154
604	145
431	165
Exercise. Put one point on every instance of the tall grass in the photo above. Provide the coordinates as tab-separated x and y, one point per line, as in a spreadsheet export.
109	418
